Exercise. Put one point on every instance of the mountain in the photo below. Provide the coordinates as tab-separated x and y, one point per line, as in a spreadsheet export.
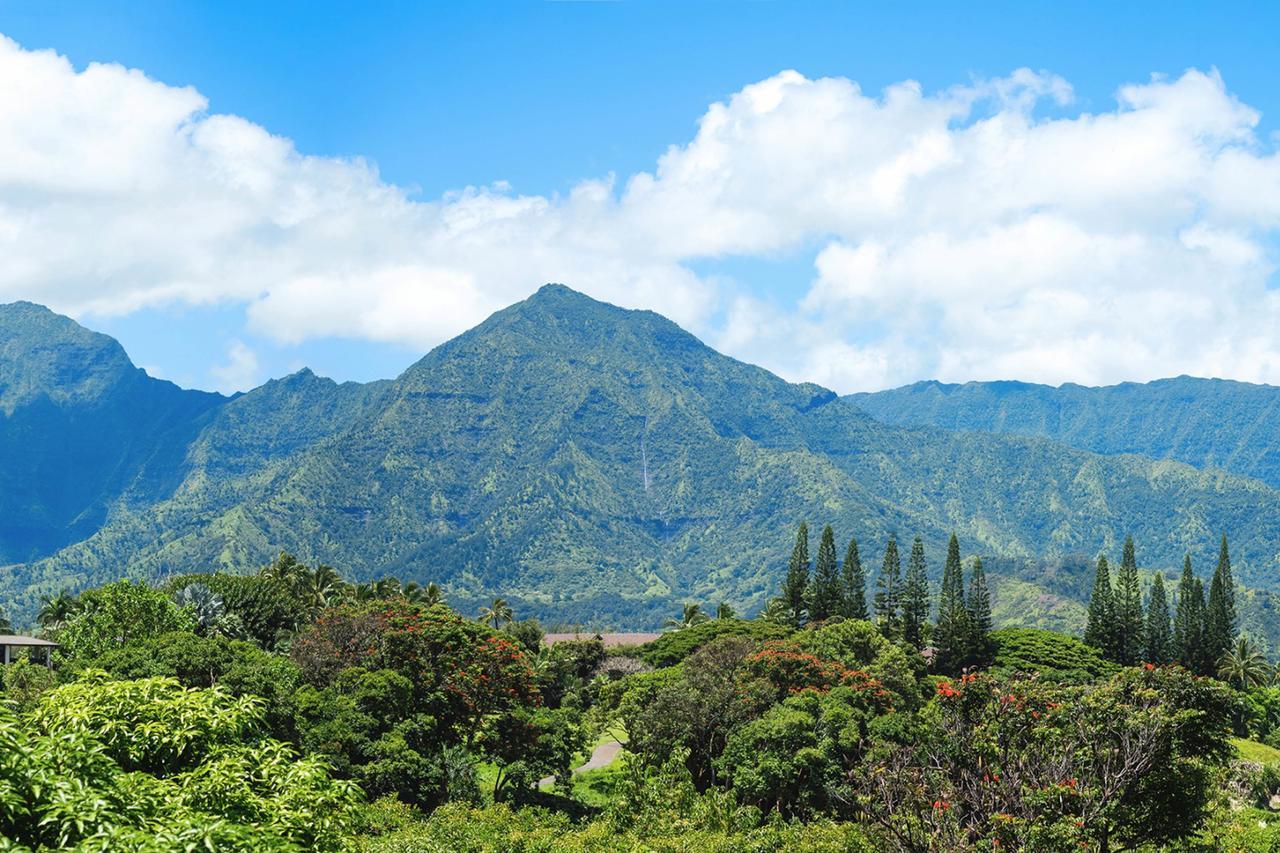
1208	423
596	464
81	430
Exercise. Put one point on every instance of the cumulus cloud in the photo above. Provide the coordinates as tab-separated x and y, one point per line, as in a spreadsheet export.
239	371
987	230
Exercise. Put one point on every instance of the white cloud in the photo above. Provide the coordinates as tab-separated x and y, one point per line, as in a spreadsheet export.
240	370
987	230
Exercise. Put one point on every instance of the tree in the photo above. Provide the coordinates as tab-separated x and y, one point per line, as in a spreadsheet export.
1188	620
499	613
117	614
1100	631
795	589
690	616
1243	666
1158	644
55	610
825	593
978	616
888	589
950	635
855	584
1220	614
1127	609
724	610
915	596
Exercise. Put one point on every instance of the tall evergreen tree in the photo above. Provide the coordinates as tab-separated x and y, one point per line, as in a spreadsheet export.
1220	615
825	594
951	634
978	617
1159	642
888	589
915	596
795	589
1202	661
1100	631
1127	609
1186	623
855	583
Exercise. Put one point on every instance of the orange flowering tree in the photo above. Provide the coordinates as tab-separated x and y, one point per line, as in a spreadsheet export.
1019	763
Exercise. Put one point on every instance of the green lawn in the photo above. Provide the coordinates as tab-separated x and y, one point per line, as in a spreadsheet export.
1251	750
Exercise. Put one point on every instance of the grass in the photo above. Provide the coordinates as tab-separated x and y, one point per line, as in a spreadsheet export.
1251	750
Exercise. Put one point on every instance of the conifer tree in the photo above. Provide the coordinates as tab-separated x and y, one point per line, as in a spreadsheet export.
1158	640
915	596
825	594
1100	632
978	617
1220	615
951	634
795	588
888	589
1186	625
1127	609
1202	662
855	584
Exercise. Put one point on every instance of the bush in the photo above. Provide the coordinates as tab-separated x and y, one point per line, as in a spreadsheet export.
673	647
1056	657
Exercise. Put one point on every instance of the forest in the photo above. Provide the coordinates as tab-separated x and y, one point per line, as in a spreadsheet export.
290	709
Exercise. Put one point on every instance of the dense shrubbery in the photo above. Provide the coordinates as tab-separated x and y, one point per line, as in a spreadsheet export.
675	646
1054	656
187	727
148	764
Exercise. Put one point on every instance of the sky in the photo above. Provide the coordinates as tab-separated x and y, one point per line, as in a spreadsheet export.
852	194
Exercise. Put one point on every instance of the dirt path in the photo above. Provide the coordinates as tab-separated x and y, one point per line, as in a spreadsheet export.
602	756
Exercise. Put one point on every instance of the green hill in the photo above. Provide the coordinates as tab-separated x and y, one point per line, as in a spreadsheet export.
1209	423
598	465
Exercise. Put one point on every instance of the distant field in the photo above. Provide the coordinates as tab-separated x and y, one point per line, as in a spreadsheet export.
635	638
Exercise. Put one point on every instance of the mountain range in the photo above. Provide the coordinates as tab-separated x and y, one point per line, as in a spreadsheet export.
596	465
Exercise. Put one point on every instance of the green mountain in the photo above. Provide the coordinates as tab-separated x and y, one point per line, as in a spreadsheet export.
81	431
596	464
1209	423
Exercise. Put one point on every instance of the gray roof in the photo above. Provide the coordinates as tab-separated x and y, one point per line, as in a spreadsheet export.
15	640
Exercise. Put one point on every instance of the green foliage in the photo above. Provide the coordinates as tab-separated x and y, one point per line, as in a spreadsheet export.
311	466
951	636
888	599
1100	632
1158	643
117	614
675	646
150	765
1053	656
915	596
825	593
1127	618
855	584
795	588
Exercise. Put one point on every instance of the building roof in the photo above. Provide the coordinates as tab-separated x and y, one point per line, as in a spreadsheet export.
16	640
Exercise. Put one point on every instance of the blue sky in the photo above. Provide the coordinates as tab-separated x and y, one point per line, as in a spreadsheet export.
544	96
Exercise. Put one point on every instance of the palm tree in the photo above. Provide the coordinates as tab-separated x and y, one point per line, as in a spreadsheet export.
55	610
6	627
691	616
497	614
320	587
1243	666
433	594
724	611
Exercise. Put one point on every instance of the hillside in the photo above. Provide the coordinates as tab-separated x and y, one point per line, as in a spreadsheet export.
81	431
1209	423
597	464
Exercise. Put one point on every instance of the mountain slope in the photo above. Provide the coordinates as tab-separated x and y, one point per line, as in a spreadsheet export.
1209	423
81	430
595	463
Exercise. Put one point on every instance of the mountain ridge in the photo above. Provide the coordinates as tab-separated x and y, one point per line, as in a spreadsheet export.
597	464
